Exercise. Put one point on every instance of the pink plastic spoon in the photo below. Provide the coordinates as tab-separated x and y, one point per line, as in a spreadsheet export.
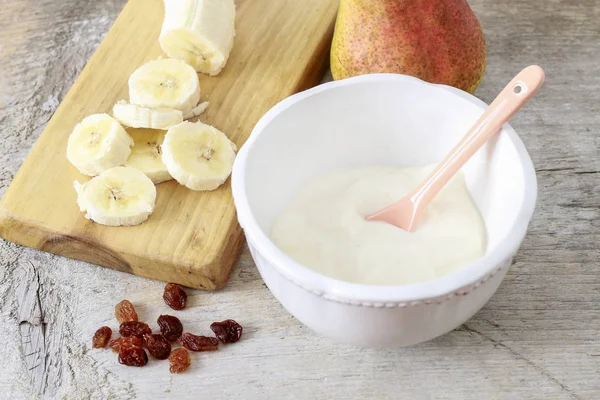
407	212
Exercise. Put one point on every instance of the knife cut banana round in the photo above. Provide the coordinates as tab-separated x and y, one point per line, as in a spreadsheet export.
98	143
199	32
165	82
146	117
197	155
146	154
196	111
120	196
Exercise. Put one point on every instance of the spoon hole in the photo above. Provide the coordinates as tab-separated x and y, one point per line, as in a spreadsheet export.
519	89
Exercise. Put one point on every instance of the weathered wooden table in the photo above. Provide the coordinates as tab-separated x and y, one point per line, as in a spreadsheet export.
538	338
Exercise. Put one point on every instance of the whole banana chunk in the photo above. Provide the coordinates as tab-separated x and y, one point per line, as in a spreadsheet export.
146	154
120	196
165	82
146	117
199	32
98	143
197	155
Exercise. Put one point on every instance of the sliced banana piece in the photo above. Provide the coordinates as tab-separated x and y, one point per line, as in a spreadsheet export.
120	196
196	111
165	82
98	143
146	154
199	32
197	155
146	117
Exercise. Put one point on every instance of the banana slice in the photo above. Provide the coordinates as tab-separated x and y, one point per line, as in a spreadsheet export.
196	111
120	196
197	155
98	143
146	117
165	82
199	32
146	154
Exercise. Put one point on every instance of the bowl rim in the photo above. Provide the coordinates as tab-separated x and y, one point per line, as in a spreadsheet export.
342	291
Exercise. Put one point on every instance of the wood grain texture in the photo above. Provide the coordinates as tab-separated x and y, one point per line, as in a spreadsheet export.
32	325
537	338
192	238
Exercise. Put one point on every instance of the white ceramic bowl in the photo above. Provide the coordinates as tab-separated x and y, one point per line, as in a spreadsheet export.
379	119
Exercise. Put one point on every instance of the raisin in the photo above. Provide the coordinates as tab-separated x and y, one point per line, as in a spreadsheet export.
124	312
101	337
227	331
179	360
174	296
170	327
198	343
157	346
125	342
134	328
133	356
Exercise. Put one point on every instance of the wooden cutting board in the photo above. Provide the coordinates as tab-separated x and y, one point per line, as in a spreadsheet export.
192	238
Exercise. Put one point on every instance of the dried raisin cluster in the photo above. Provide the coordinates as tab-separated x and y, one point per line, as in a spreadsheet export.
137	335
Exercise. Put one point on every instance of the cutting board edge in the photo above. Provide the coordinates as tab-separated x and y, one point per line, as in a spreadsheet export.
213	276
316	70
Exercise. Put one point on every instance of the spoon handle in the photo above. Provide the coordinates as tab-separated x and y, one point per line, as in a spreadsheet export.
505	105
